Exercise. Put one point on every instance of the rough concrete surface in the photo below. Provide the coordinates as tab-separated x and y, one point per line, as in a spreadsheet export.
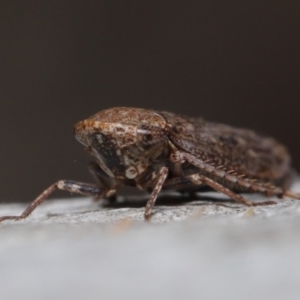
76	249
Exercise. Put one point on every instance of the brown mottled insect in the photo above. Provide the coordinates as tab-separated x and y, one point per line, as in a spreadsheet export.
152	150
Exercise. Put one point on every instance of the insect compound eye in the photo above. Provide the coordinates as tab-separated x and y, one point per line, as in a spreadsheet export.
148	136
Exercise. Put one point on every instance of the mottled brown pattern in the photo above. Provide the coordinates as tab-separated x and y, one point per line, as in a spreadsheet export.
236	149
152	150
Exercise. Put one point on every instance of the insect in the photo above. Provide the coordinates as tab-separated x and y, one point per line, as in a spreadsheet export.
154	150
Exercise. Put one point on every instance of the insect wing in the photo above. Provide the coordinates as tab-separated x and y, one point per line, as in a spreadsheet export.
240	150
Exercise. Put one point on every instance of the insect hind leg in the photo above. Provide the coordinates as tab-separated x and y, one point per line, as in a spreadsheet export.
198	180
291	195
237	197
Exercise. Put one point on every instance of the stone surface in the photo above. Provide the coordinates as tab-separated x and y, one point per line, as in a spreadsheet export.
74	249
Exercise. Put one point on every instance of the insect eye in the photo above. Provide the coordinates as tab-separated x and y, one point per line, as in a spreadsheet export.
144	137
148	136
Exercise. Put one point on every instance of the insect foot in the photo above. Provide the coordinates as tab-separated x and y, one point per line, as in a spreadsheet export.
153	150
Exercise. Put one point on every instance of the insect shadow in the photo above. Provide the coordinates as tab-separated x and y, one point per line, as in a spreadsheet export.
166	199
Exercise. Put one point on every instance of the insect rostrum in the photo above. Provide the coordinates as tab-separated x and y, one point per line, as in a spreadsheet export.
154	150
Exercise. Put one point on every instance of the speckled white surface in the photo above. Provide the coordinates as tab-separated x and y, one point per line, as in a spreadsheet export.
74	249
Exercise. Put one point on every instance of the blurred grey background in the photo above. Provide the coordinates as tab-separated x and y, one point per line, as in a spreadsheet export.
61	61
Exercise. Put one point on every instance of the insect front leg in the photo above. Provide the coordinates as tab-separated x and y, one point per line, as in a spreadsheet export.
65	185
104	181
159	177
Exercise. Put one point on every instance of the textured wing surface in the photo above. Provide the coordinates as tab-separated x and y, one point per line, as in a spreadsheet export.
236	149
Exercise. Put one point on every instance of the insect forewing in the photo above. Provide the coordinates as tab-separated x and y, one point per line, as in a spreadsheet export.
240	150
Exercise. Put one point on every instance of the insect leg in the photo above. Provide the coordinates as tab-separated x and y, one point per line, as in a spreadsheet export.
220	188
103	180
98	174
246	184
199	180
291	195
161	177
65	185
